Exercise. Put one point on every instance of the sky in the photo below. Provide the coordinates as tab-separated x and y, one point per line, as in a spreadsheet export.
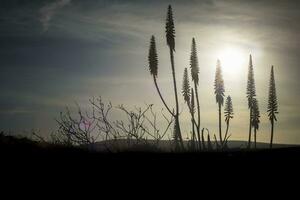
57	52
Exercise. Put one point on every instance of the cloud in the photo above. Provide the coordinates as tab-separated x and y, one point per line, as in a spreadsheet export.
49	10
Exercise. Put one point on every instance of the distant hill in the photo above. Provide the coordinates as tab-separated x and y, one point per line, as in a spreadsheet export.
167	146
22	151
13	143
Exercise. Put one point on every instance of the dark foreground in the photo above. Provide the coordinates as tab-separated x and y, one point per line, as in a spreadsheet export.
31	165
52	168
26	152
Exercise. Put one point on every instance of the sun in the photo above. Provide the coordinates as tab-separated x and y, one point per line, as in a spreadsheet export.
232	60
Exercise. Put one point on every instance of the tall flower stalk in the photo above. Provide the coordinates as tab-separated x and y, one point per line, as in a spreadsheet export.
251	93
153	68
192	111
170	36
219	92
272	104
188	96
255	119
195	78
228	114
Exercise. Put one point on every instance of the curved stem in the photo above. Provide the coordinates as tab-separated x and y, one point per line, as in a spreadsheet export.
161	97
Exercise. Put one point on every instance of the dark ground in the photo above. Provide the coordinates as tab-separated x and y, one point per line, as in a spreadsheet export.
23	157
22	149
23	161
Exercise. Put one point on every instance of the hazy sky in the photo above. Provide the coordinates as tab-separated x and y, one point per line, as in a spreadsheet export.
53	53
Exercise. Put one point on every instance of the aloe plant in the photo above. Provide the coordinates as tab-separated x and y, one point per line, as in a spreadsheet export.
228	114
188	96
255	119
170	36
219	92
195	78
192	111
186	87
153	68
251	93
272	104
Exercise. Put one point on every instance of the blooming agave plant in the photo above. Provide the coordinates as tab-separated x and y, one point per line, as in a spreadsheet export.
153	67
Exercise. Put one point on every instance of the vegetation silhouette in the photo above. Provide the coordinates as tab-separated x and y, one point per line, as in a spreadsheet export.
255	118
195	78
192	112
188	96
251	94
153	67
272	104
228	115
138	128
219	92
170	36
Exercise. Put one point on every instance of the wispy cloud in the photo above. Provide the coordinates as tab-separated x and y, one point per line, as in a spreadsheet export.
48	11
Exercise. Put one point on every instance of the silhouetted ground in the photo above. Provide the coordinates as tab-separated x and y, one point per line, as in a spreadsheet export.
23	156
52	169
12	148
164	146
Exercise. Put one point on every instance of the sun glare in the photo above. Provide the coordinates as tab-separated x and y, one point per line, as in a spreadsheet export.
232	60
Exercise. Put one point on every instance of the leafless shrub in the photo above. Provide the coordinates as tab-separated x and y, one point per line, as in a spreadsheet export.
137	127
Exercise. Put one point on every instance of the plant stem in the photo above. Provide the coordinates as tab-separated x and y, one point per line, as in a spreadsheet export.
220	127
203	140
198	111
195	124
226	133
250	129
176	98
193	129
254	138
272	132
161	97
